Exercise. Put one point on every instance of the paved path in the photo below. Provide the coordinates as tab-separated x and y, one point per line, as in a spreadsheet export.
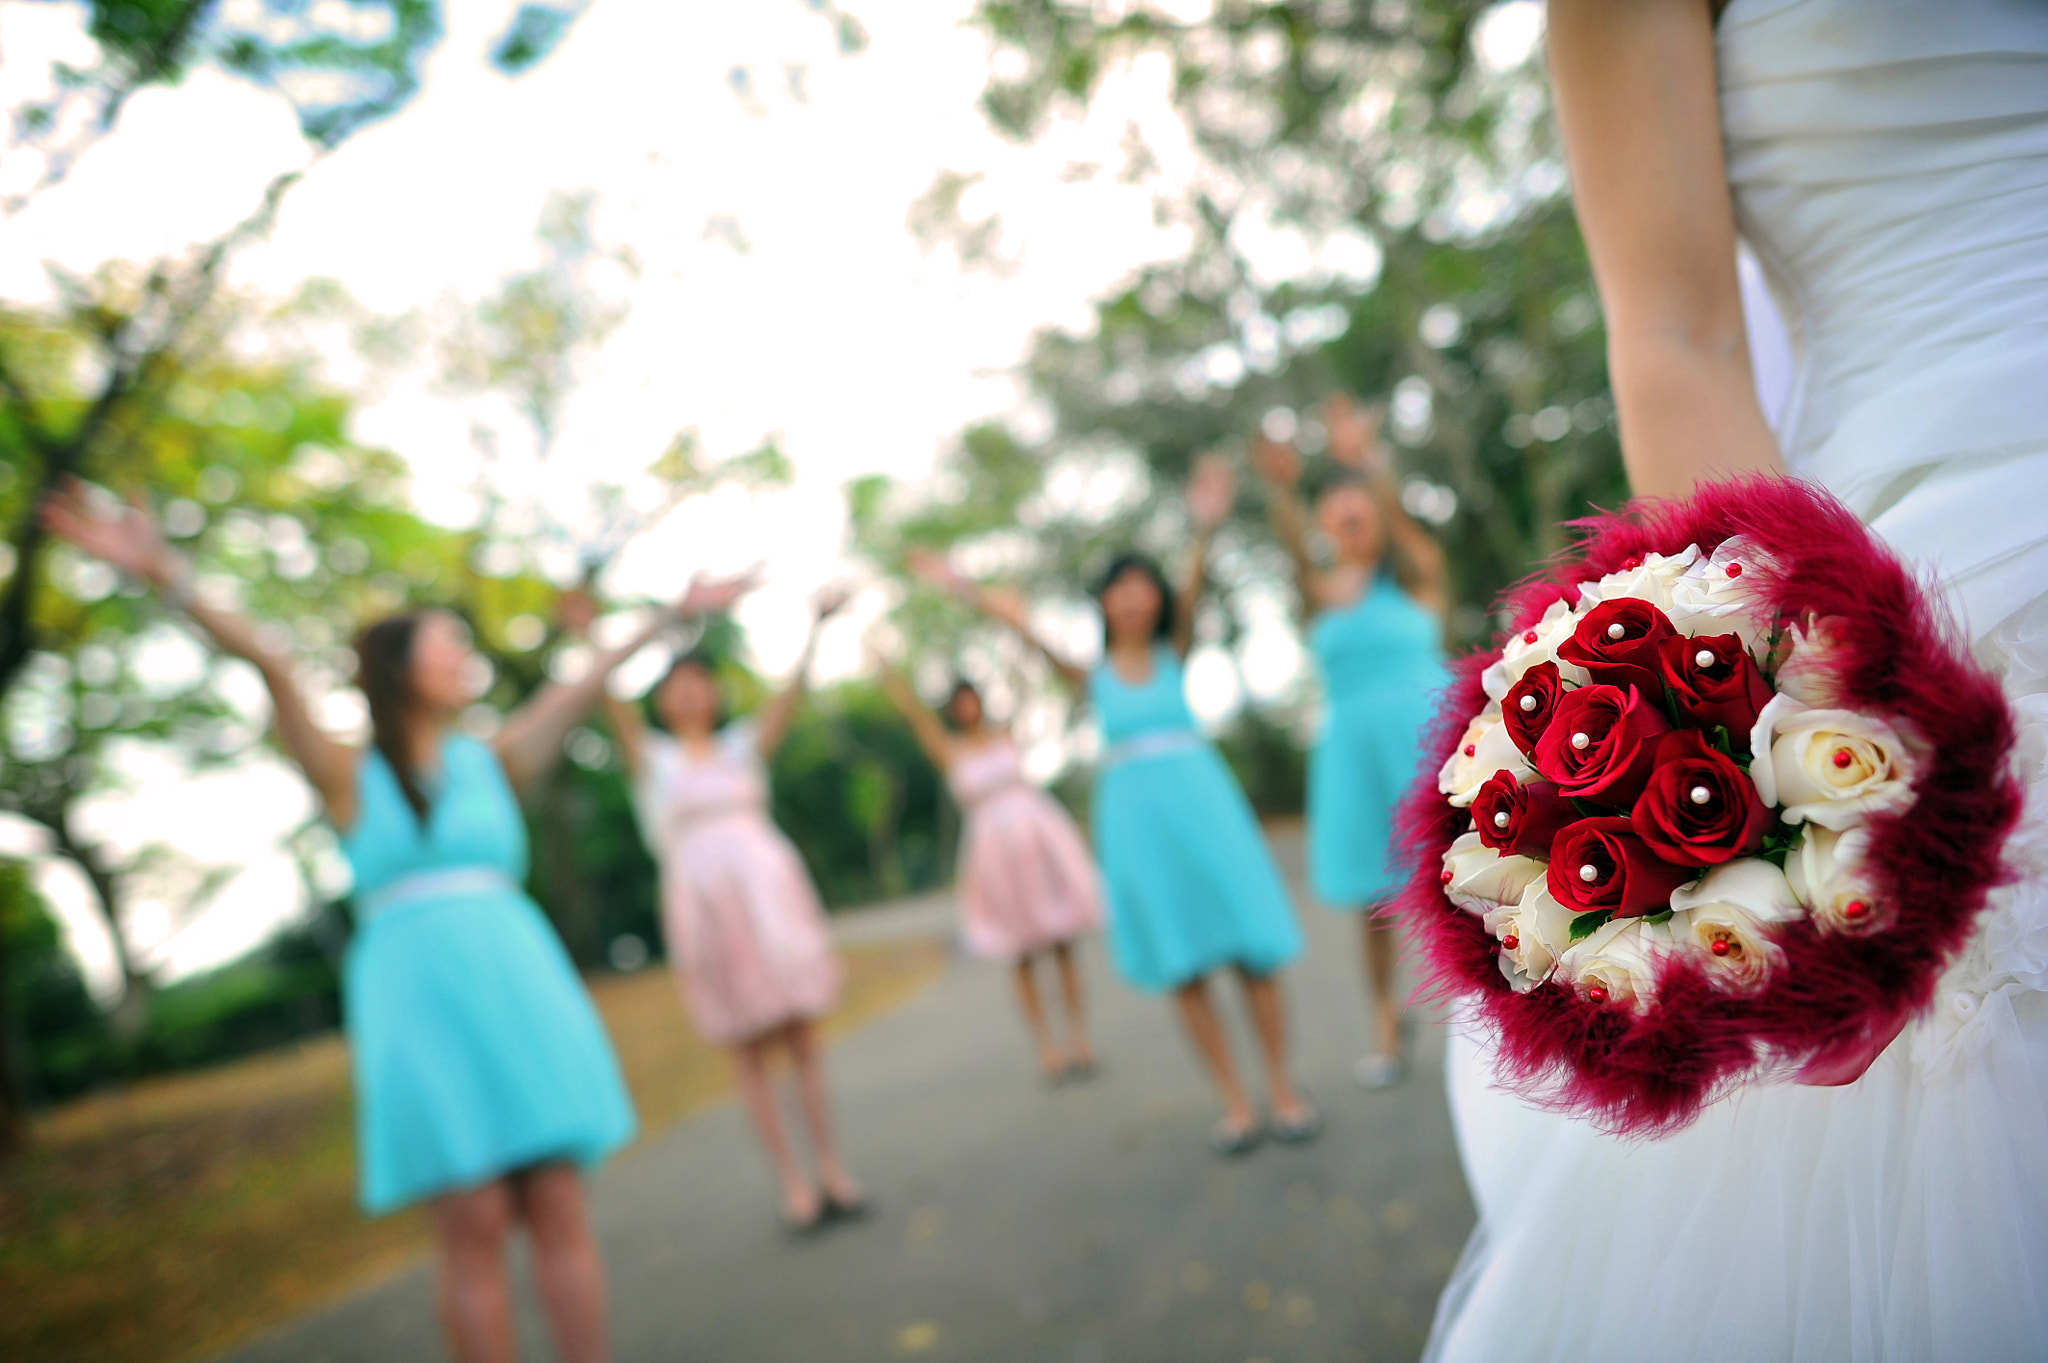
1019	1223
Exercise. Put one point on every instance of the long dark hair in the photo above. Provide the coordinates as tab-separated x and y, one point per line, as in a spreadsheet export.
384	672
1125	562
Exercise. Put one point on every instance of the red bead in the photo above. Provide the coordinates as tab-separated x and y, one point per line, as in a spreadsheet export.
1597	993
1631	563
1855	908
1842	757
1511	942
1735	570
1472	750
1446	877
1720	946
1530	637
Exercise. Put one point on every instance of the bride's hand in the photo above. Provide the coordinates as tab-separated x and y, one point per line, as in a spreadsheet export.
128	540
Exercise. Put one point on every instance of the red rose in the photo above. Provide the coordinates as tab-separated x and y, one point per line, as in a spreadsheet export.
1529	704
1713	680
1617	641
1602	864
1600	744
1518	820
1698	808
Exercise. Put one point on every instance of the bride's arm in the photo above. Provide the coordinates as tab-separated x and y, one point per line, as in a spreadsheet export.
1638	100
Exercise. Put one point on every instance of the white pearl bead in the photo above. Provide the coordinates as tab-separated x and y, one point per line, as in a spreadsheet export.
1500	820
1528	703
1589	872
1700	795
1581	741
1615	630
1703	658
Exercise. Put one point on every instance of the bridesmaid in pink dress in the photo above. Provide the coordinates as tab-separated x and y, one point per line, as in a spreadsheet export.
1027	886
746	932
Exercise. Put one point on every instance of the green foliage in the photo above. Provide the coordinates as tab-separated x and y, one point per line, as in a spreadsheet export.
43	993
1268	761
859	799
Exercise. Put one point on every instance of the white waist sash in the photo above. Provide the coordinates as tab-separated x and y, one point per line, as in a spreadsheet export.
452	883
1161	744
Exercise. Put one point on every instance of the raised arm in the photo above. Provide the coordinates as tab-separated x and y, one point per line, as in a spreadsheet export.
132	543
931	734
530	743
1355	442
578	611
1006	608
1211	490
1279	464
776	715
1638	101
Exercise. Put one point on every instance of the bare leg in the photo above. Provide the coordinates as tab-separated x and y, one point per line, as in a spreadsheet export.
1079	1049
565	1261
1205	1029
1050	1061
808	1057
1269	1020
757	1091
1382	945
470	1230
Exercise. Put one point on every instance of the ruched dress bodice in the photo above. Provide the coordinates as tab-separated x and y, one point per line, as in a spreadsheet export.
1889	164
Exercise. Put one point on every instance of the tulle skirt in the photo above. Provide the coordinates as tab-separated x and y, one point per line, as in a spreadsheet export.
1026	879
746	933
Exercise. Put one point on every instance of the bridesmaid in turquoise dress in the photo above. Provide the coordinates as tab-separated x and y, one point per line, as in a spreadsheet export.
1193	888
1376	629
485	1082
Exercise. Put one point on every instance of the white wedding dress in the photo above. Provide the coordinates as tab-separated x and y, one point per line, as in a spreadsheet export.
1889	160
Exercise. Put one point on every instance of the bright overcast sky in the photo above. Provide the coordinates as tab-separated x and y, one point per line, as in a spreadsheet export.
832	328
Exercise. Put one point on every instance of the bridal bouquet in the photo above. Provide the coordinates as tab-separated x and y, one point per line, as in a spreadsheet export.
1720	809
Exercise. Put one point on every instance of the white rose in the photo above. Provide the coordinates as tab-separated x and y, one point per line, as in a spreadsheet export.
1833	767
1826	874
1651	580
1809	670
1537	644
1618	960
1482	879
1533	933
1726	916
1483	749
1723	593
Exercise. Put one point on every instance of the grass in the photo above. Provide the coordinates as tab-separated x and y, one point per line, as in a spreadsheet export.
171	1219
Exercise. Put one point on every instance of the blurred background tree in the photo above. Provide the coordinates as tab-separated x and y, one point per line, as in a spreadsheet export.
1368	196
339	66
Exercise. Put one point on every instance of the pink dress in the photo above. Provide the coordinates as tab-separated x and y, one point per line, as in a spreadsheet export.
745	930
1026	879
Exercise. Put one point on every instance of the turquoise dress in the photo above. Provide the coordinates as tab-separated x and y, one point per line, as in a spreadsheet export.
1382	666
1192	885
476	1049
